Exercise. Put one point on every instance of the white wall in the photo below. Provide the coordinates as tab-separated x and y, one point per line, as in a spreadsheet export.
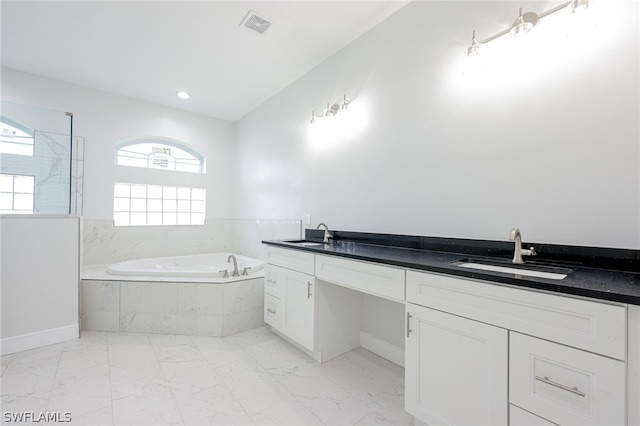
104	119
552	149
39	280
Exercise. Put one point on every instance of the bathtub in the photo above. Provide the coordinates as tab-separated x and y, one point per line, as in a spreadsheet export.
173	295
214	267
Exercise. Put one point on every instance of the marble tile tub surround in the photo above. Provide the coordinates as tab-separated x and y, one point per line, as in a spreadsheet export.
104	243
594	257
177	308
251	378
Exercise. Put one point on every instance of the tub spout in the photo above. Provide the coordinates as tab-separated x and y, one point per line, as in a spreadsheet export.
235	265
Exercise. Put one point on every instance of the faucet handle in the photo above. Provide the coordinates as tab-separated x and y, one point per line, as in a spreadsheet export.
532	251
246	270
226	273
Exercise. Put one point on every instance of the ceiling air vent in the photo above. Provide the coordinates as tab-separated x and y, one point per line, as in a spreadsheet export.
254	22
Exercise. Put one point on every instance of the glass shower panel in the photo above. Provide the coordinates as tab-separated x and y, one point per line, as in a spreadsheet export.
37	144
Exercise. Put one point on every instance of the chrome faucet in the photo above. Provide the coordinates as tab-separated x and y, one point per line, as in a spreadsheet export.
327	234
519	251
235	265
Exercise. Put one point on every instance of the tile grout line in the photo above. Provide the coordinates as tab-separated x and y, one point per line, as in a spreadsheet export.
167	381
53	382
222	382
320	421
113	419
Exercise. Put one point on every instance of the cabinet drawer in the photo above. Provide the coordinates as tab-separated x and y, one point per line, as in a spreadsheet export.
291	259
274	281
565	385
366	277
519	417
273	311
593	326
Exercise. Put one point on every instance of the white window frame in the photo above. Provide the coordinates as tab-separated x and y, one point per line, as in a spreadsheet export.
11	194
158	205
22	142
163	154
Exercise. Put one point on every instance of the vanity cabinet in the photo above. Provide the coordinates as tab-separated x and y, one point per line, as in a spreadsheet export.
476	351
290	301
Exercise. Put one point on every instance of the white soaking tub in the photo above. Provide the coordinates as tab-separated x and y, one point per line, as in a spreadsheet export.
174	295
210	266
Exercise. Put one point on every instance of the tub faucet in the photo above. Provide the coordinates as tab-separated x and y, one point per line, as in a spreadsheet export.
519	251
327	234
235	265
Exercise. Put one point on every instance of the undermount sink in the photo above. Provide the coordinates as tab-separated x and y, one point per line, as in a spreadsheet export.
303	243
539	271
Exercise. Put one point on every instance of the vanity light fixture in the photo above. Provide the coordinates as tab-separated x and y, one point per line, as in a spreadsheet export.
332	109
345	102
579	5
524	24
475	47
183	95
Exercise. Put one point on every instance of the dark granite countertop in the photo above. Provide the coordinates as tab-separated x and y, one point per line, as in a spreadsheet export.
615	276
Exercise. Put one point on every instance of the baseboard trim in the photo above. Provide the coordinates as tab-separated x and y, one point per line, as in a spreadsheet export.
382	348
38	339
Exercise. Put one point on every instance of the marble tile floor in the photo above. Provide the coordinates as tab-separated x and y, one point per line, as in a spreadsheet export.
251	378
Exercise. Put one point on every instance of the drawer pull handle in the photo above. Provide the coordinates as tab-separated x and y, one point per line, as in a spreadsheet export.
271	311
409	324
270	281
573	390
308	289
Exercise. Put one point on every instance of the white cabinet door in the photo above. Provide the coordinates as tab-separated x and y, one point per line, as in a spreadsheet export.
300	307
290	304
456	369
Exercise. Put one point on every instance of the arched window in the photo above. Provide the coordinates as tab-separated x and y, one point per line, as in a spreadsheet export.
15	138
158	200
160	153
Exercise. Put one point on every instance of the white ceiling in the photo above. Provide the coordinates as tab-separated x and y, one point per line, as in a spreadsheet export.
148	50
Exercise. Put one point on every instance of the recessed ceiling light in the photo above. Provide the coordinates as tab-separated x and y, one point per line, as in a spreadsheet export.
183	95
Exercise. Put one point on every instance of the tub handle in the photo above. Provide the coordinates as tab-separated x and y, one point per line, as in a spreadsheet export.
246	269
226	274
